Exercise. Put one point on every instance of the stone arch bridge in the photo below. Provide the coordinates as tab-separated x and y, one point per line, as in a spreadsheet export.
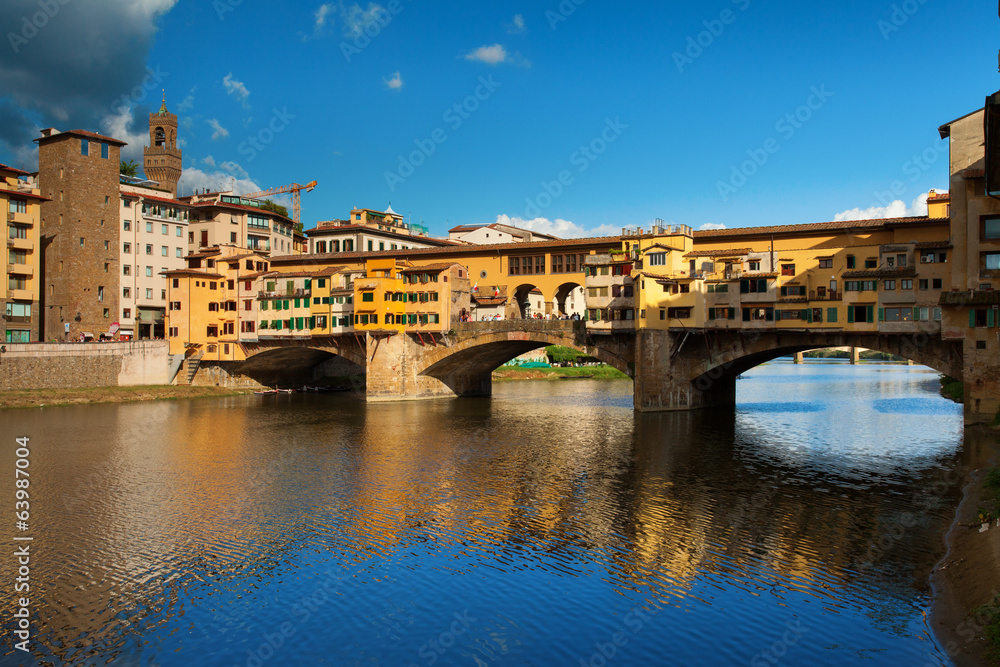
671	370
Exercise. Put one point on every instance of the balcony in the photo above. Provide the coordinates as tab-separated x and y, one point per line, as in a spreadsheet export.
21	269
828	295
20	219
21	244
285	294
21	295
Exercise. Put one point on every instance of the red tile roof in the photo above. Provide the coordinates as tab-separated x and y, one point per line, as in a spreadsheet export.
7	167
443	266
904	272
939	196
191	272
737	252
18	193
816	227
80	133
974	173
929	245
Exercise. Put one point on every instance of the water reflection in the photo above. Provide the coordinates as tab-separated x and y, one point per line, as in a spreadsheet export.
527	528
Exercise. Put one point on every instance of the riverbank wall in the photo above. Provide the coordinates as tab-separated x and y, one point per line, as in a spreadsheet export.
76	365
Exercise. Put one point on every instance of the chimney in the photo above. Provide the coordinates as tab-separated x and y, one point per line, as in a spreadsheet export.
49	131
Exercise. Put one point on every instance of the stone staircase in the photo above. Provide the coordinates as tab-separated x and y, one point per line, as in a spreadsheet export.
189	369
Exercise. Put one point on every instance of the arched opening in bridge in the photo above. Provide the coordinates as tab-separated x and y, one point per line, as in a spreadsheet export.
570	300
530	302
469	369
297	366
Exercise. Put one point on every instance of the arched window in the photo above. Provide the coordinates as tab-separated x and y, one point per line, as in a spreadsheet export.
159	137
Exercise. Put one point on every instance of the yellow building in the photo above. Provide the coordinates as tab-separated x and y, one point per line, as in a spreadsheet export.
212	304
21	202
379	297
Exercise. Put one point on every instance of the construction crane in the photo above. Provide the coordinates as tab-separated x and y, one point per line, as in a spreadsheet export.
296	191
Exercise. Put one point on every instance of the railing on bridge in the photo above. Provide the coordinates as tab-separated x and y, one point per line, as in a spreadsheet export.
550	326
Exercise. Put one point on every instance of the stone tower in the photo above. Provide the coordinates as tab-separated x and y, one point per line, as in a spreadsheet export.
162	158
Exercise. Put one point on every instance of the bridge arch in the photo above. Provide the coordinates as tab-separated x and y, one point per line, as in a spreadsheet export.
285	363
569	293
728	360
481	352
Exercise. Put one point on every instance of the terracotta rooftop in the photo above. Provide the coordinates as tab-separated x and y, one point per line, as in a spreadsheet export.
974	173
81	133
239	207
928	245
939	196
977	298
443	266
7	167
738	252
191	272
816	227
18	193
905	272
330	231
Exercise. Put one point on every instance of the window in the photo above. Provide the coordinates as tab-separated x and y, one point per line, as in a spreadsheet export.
127	248
719	288
149	248
982	317
657	258
149	292
81	241
163	251
84	147
793	290
149	272
758	314
990	229
871	263
753	265
175	305
100	293
163	294
149	227
923	283
678	313
368	297
991	261
753	286
890	284
18	206
722	313
104	151
180	232
906	284
164	229
126	292
851	262
899	314
788	269
126	270
936	283
826	263
900	260
176	283
179	252
860	285
860	314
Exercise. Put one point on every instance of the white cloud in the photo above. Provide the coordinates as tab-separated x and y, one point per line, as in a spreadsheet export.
194	179
236	90
491	55
711	225
357	19
210	161
518	26
897	209
395	82
188	102
564	229
118	124
235	169
320	16
218	132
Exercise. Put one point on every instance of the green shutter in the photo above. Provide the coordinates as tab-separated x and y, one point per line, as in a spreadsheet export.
870	316
762	285
806	315
989	318
298	303
263	305
972	317
831	315
744	287
850	314
746	314
308	283
769	314
881	314
732	313
916	314
784	291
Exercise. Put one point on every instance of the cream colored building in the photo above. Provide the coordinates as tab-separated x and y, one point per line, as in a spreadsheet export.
21	202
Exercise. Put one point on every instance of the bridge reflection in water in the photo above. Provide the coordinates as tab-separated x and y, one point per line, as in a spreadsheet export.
184	532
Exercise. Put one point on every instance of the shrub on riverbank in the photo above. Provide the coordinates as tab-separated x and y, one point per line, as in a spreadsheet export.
953	389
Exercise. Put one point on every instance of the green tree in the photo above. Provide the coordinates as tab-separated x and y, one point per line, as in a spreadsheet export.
129	168
269	205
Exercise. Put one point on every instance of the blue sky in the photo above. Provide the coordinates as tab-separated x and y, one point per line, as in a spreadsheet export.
574	116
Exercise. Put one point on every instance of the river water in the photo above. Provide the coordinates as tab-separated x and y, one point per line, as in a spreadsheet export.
547	525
